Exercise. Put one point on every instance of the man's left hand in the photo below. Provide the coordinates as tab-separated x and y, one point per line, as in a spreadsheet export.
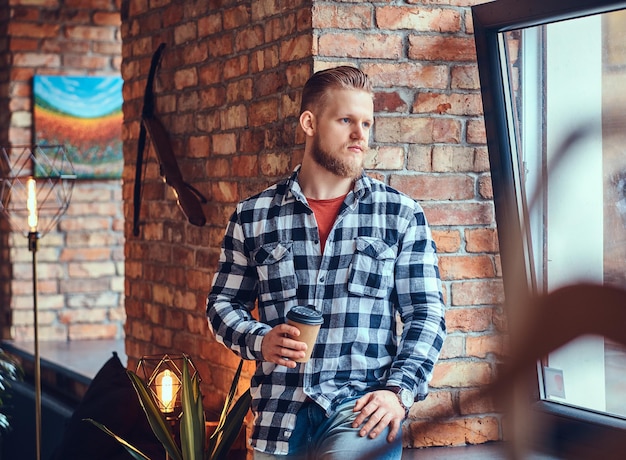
378	410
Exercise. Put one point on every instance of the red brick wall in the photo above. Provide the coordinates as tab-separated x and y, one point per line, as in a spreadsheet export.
429	142
228	94
81	263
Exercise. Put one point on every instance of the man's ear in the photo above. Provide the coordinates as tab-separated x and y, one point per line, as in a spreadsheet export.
307	122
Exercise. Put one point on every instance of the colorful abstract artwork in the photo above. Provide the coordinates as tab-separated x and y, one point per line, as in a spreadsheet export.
83	113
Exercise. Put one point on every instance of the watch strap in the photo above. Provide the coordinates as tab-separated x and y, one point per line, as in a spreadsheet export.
398	391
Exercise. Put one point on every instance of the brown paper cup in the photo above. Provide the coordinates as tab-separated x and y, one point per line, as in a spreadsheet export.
308	321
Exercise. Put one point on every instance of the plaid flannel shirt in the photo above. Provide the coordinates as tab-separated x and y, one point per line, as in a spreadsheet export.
377	285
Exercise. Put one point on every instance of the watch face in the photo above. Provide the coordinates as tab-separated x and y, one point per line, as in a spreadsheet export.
406	397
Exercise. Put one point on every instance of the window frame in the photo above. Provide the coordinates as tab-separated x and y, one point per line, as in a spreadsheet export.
564	423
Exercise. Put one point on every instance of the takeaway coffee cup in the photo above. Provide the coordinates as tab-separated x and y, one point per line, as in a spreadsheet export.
308	321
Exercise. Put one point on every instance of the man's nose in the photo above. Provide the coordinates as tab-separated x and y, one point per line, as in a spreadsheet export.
359	132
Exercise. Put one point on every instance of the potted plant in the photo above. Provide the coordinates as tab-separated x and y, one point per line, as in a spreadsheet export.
10	371
193	442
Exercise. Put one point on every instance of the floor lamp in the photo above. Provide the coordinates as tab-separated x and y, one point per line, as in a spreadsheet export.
36	184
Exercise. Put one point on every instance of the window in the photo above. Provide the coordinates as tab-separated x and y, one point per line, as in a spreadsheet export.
552	75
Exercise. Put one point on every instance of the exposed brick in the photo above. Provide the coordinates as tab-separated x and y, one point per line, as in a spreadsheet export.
454	433
353	16
280	27
407	74
361	45
36	60
483	345
296	48
418	19
86	254
486	292
236	17
477	319
429	187
234	117
465	77
453	347
476	132
249	38
451	104
107	18
385	158
460	374
466	267
438	48
477	402
452	158
269	84
263	112
448	240
481	240
420	158
466	213
417	130
485	188
93	331
274	165
235	67
225	192
224	144
390	102
438	404
210	24
185	78
240	90
32	30
246	165
90	33
263	59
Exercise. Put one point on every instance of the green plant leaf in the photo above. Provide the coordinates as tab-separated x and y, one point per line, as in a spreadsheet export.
231	427
155	418
229	397
217	435
192	426
133	451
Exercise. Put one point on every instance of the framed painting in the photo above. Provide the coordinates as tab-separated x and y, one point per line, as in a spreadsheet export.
84	114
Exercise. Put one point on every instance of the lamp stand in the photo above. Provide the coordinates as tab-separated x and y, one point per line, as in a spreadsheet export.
33	243
36	183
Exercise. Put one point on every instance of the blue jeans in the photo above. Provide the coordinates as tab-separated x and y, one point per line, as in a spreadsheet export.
317	437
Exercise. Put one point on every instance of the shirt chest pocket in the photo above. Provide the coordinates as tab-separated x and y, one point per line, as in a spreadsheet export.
371	270
276	272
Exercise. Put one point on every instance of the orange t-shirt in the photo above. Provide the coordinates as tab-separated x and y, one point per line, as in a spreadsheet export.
325	213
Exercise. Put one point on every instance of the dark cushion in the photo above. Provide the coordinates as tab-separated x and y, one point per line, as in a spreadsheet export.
112	401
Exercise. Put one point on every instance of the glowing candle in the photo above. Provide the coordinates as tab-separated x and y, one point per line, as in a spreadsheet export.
31	205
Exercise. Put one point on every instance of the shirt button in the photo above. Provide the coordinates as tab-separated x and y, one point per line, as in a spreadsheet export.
321	279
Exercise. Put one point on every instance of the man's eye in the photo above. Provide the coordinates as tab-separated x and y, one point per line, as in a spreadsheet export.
367	125
345	120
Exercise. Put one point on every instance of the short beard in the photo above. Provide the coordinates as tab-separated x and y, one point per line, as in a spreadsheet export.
337	166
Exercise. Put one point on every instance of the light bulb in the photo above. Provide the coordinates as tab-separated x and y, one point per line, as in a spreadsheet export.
31	205
167	391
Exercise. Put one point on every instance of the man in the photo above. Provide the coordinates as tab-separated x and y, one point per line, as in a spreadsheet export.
355	250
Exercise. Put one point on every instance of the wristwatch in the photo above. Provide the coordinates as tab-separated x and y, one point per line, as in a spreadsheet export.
405	397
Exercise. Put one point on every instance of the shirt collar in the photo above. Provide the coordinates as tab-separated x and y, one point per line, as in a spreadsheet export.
362	186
